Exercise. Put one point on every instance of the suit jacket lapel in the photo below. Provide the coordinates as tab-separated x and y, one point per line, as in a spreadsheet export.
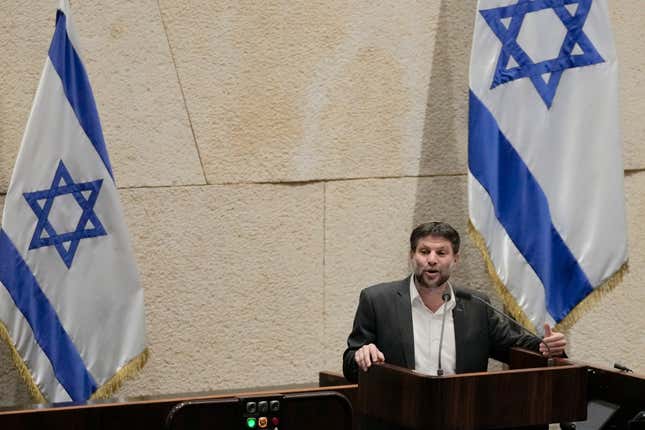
404	314
459	316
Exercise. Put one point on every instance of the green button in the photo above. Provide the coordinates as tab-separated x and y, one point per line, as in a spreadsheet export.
250	423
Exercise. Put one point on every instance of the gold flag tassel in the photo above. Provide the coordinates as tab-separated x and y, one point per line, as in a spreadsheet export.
514	309
594	297
105	391
22	368
124	373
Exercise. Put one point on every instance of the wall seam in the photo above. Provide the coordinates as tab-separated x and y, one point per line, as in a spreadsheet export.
324	270
181	90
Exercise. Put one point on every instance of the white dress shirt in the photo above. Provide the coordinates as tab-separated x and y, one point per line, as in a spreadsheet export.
427	331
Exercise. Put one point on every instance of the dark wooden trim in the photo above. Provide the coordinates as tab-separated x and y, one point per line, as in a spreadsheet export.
301	406
332	379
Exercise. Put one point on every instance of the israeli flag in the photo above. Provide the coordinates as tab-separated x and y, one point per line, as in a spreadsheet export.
70	302
545	179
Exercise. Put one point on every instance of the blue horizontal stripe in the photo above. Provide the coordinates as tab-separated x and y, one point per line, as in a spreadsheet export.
48	331
523	210
77	88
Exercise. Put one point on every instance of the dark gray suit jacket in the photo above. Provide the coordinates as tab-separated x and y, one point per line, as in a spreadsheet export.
384	317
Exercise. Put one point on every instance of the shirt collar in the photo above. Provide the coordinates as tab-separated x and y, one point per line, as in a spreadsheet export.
415	297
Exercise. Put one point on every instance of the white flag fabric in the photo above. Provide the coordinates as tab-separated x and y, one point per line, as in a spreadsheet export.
70	300
545	182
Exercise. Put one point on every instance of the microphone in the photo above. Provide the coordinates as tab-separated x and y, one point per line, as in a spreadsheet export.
445	297
622	368
467	296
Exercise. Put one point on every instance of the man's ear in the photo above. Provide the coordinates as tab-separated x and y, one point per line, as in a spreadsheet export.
455	261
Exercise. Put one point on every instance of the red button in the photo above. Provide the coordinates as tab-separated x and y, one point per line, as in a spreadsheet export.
275	421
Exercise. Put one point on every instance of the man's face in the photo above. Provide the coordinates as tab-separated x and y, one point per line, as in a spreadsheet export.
433	261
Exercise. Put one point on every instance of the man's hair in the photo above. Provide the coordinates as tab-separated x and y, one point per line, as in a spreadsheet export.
440	229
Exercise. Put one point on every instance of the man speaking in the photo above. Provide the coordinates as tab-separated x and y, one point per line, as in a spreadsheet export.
424	323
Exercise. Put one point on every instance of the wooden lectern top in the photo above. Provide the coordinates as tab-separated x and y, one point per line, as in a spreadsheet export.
512	398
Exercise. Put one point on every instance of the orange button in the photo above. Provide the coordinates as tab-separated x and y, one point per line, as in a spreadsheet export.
263	422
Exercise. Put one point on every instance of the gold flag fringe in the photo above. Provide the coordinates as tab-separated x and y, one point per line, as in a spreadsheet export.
594	297
509	301
126	372
105	391
22	368
514	309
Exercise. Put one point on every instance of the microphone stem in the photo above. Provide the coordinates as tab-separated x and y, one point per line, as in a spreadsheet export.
443	324
445	297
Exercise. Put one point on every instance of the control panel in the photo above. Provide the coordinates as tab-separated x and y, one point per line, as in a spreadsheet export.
261	413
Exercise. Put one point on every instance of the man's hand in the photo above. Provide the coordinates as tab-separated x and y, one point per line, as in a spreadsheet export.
367	355
556	341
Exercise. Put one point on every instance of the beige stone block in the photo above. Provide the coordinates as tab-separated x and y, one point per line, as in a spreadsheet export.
444	142
320	89
131	70
368	225
233	285
25	34
628	25
140	100
612	331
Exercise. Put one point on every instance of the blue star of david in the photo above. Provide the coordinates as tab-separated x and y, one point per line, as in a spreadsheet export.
527	68
85	195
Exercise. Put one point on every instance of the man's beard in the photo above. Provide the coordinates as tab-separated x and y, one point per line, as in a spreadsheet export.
421	282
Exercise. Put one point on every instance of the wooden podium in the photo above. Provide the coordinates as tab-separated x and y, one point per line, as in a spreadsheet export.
512	398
